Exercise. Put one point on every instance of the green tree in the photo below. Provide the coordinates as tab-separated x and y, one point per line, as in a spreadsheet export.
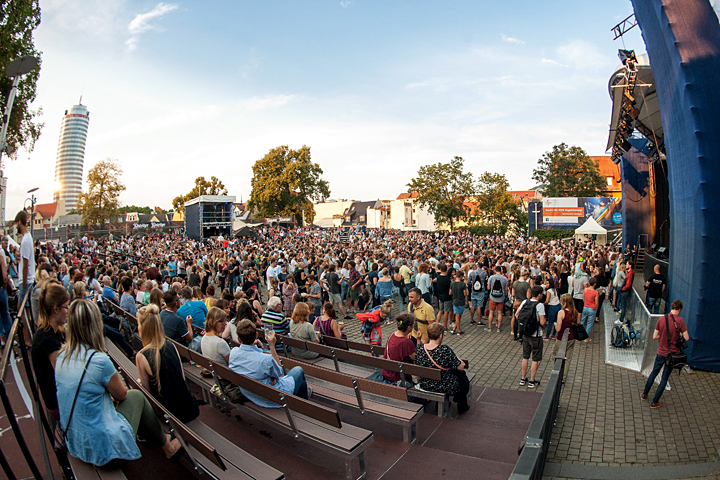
134	208
285	182
18	20
100	202
202	187
569	172
442	188
496	206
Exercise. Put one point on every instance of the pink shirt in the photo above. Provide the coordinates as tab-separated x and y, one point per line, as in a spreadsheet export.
590	296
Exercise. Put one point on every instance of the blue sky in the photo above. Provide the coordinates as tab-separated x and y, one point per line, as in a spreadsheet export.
182	89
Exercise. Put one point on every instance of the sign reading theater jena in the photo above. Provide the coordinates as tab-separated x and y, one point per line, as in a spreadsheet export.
137	226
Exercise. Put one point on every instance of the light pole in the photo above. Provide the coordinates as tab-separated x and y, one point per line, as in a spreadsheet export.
15	70
32	208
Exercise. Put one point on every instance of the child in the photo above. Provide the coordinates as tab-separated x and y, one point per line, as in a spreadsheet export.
372	321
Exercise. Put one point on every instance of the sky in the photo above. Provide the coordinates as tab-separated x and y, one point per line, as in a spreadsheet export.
376	89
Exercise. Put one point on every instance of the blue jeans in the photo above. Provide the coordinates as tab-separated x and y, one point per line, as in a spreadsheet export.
552	318
344	287
653	304
300	384
622	303
588	318
5	322
659	364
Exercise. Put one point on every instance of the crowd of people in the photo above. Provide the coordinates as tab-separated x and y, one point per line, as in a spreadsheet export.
213	295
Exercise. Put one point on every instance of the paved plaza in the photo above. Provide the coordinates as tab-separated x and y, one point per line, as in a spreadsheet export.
601	422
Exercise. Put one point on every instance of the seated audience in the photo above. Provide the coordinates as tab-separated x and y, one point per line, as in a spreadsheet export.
301	329
273	317
196	308
212	344
98	432
399	347
327	323
160	368
249	360
435	355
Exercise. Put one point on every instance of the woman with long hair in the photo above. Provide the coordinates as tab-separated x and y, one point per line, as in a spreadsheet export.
48	340
567	318
212	345
288	295
156	298
301	329
97	432
327	323
244	312
160	369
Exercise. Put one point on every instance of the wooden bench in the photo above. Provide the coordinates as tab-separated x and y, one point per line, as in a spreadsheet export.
306	421
384	401
360	365
86	471
209	454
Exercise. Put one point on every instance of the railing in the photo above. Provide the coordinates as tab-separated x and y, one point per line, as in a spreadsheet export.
17	333
534	448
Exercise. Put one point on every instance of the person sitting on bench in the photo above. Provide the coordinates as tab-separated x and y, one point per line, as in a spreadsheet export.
95	430
160	368
400	348
249	360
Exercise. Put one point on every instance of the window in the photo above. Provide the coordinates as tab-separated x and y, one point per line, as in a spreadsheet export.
610	181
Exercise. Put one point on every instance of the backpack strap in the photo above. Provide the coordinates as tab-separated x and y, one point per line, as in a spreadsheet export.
667	330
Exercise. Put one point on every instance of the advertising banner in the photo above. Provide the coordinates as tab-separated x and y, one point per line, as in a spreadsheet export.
572	211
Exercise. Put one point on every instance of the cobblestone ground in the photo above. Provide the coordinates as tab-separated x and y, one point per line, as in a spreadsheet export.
601	419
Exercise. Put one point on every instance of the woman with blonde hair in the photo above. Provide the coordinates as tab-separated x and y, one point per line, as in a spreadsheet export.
372	321
301	329
95	431
212	344
160	368
48	340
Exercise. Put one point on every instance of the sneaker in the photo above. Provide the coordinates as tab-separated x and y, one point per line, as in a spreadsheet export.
488	329
309	391
459	333
533	384
643	396
480	323
618	322
498	329
656	405
472	322
523	381
348	317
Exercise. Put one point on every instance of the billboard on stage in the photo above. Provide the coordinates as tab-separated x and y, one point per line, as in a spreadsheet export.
572	211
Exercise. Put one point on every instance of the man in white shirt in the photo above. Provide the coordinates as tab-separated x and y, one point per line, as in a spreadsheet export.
27	255
271	272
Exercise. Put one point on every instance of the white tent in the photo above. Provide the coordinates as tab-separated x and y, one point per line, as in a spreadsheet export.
590	228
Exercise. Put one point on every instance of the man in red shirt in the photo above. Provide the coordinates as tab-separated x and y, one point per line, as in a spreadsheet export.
674	327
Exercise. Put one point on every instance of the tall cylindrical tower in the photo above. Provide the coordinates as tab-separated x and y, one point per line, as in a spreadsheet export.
70	155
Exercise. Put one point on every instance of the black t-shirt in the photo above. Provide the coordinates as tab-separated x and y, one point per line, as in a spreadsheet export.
657	280
601	281
443	288
194	280
45	342
332	279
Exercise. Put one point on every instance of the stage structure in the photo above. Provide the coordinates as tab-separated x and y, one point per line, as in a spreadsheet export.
683	45
209	216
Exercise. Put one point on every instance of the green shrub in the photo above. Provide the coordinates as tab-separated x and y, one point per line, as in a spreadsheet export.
485	230
552	234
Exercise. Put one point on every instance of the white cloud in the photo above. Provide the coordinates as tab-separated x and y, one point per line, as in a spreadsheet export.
513	40
345	3
142	23
553	62
585	55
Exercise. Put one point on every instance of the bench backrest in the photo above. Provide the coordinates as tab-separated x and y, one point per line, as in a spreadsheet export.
370	361
122	363
377	388
295	403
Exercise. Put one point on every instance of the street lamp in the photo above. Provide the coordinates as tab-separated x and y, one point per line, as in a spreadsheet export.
32	208
15	70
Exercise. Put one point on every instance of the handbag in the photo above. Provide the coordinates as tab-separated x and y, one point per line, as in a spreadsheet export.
675	359
59	432
579	332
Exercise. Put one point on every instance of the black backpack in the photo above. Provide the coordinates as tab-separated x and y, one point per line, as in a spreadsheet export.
496	290
528	322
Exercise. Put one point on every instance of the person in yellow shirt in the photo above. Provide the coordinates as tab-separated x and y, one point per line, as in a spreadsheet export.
424	315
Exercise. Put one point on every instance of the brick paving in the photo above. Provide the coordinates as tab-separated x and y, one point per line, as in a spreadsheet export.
601	420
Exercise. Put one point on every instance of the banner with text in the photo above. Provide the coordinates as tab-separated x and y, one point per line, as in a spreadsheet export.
572	211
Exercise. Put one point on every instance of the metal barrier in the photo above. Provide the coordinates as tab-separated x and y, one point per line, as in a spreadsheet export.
38	410
534	447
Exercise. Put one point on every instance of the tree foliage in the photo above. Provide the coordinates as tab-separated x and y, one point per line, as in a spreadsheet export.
569	172
496	206
101	201
202	187
285	182
442	188
18	20
143	210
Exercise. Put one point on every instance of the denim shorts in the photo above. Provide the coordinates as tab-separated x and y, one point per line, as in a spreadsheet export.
458	309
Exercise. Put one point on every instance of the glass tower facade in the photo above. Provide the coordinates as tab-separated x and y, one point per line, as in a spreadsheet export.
70	156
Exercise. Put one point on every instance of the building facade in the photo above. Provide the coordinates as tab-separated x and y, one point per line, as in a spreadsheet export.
71	155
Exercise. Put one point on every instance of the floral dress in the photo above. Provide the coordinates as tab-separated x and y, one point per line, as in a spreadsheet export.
287	297
446	358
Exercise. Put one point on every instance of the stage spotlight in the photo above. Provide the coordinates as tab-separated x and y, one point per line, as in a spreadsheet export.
626	146
627	55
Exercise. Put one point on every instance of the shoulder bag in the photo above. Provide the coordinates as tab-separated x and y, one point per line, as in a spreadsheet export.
675	359
59	432
461	375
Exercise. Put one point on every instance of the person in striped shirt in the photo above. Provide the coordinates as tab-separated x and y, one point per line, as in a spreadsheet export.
273	317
